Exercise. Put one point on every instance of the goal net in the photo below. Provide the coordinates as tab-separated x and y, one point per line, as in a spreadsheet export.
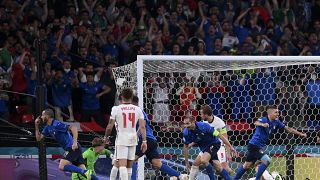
237	88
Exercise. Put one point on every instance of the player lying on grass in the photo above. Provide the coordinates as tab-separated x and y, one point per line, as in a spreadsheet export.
206	137
61	133
264	127
91	155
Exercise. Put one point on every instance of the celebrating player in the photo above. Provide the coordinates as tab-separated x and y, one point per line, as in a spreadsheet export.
207	138
218	124
264	127
91	155
126	116
60	132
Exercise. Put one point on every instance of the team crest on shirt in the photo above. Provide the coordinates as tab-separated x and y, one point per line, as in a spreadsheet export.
261	151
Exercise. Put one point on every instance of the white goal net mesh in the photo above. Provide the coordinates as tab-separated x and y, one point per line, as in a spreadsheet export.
238	92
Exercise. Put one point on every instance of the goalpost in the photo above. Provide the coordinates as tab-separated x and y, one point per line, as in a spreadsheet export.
238	88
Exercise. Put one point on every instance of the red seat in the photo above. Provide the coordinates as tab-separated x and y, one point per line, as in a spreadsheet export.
27	118
22	109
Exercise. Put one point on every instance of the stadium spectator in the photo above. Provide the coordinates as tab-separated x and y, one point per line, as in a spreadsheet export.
90	98
77	33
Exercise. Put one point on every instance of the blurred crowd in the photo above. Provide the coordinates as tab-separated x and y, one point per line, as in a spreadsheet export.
82	40
236	95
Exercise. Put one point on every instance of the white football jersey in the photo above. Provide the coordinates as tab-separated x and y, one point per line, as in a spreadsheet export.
126	117
217	123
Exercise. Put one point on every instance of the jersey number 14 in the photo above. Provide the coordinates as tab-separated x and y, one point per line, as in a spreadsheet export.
132	118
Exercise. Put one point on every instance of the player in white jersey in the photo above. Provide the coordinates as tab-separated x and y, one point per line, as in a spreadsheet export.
126	117
223	153
216	122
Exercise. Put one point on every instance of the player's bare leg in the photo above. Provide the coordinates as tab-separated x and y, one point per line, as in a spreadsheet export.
114	170
195	168
129	168
219	169
123	169
242	169
225	165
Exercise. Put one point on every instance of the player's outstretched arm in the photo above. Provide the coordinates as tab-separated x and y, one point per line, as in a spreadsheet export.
39	136
294	131
226	142
258	123
74	131
142	129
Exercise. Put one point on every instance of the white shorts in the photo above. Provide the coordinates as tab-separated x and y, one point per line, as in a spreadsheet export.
125	152
222	154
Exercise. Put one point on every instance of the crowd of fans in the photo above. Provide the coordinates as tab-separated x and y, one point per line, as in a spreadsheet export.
82	40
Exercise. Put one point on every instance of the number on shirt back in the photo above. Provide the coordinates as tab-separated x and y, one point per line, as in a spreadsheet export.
132	118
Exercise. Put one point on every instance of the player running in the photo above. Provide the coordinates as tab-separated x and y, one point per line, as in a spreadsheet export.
264	127
126	116
91	155
60	132
207	139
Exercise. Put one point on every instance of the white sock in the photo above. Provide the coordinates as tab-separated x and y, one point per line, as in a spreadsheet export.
113	173
129	172
123	173
193	172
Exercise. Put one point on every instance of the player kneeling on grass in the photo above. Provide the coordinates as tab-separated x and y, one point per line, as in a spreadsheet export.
91	155
207	139
264	127
61	133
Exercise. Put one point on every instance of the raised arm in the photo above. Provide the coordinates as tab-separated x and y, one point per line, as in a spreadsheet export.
294	131
39	136
259	123
74	131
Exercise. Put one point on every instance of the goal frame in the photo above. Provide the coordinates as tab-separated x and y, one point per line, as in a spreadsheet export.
142	58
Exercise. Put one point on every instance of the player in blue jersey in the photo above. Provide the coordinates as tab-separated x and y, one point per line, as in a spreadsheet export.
264	127
207	138
152	151
73	160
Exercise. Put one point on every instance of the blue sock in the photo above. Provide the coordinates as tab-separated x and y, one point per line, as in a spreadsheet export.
240	172
210	172
134	171
94	177
225	175
261	169
73	168
171	172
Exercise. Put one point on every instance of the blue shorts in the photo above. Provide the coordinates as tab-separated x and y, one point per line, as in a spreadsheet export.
152	150
74	156
213	150
254	153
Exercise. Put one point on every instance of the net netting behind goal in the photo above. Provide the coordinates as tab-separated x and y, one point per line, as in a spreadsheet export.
238	92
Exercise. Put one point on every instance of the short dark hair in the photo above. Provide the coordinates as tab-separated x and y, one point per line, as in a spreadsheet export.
97	142
49	112
127	94
135	100
271	107
206	109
